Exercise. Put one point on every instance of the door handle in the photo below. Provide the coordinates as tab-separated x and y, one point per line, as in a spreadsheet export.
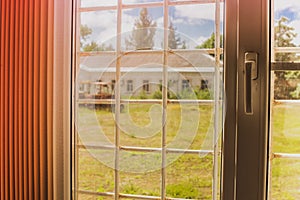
250	74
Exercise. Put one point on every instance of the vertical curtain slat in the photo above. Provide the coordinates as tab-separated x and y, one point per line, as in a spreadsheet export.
2	44
16	104
30	101
43	100
20	101
11	99
50	98
36	89
6	103
26	99
1	101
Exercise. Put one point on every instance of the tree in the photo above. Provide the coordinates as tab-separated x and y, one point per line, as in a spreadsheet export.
85	32
184	46
173	39
93	46
210	42
283	37
143	32
86	46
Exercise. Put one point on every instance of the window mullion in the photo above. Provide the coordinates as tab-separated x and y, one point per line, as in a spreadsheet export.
165	100
118	100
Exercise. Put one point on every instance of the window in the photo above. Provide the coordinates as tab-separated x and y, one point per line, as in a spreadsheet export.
284	162
113	83
204	84
146	86
185	84
139	145
129	85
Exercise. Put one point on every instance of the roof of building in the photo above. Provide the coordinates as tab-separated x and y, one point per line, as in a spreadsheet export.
176	59
147	69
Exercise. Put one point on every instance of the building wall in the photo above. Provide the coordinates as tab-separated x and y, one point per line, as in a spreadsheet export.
175	80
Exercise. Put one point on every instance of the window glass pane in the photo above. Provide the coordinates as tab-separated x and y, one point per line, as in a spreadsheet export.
194	25
94	3
140	174
98	30
94	175
285	178
285	95
169	96
285	127
190	177
142	28
140	1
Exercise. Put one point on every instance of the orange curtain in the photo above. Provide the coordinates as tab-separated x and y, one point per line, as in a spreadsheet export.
26	99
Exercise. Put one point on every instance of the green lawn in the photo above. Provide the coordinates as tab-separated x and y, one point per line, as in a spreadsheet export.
188	176
285	179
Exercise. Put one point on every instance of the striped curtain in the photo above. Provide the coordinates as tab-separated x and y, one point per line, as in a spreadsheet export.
27	156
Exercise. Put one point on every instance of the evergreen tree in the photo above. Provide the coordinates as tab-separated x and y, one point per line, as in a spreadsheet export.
173	38
143	32
184	46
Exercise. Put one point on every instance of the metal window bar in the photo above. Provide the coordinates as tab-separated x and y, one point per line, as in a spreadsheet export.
285	66
146	5
147	149
216	103
217	51
285	155
165	100
160	52
146	101
118	101
124	196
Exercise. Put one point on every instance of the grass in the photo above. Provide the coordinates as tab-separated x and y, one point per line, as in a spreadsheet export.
188	176
285	173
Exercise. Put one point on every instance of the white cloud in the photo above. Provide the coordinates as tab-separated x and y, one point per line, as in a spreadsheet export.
296	25
294	5
99	19
198	12
201	39
106	22
91	3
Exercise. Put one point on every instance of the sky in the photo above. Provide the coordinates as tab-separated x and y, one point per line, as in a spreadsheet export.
194	23
291	10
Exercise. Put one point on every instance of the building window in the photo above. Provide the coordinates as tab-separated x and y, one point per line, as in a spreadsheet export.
129	85
204	84
185	84
113	83
146	86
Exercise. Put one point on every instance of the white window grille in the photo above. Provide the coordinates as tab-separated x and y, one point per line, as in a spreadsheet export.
117	101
